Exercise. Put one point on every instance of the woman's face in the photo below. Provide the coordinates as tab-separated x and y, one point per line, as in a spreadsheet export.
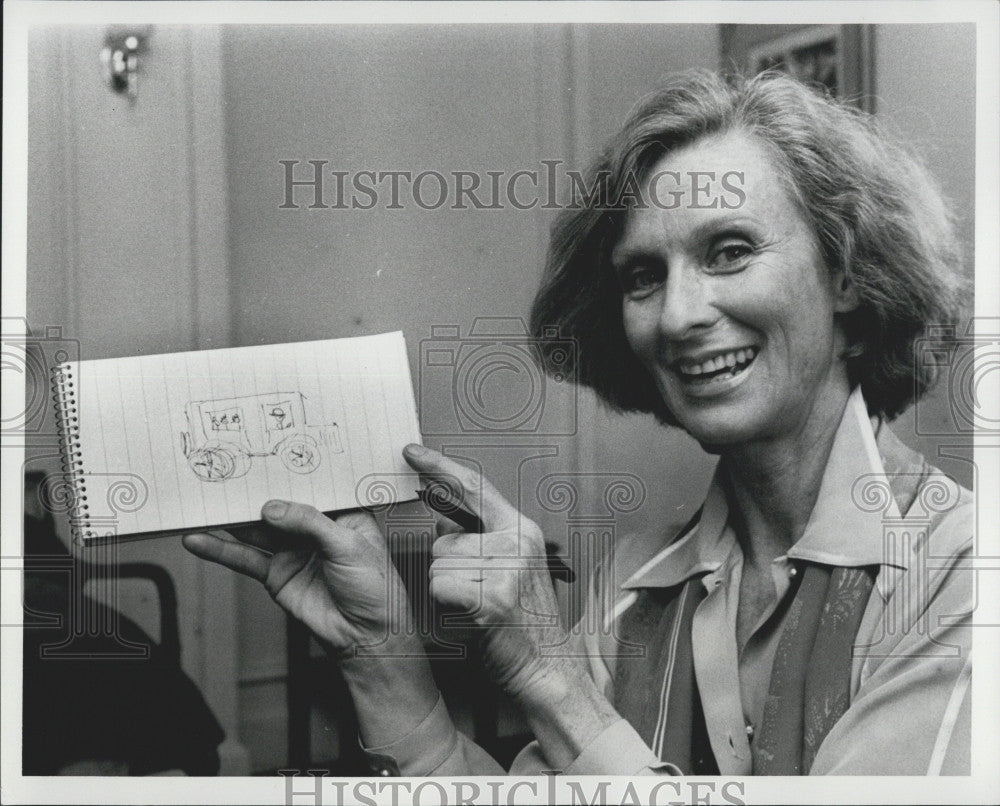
726	299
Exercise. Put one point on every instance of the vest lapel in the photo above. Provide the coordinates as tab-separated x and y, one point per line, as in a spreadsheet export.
810	685
810	680
656	692
811	676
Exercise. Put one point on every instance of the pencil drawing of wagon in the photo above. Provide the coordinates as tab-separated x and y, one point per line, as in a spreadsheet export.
224	435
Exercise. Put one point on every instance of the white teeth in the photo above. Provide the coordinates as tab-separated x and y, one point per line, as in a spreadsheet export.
730	360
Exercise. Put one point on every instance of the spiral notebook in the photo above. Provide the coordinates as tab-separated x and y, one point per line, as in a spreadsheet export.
171	443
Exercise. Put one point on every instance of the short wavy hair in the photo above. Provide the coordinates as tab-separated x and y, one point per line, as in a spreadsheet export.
874	209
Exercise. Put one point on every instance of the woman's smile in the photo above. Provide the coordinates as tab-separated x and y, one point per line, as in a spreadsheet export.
714	372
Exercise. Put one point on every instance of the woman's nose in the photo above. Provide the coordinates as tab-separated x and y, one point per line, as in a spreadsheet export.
687	304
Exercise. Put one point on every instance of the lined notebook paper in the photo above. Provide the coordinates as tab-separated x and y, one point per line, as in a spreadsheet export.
183	441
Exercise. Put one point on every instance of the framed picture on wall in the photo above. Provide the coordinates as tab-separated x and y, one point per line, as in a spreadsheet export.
838	58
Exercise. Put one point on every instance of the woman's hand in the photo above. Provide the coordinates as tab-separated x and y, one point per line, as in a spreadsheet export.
500	578
336	577
333	575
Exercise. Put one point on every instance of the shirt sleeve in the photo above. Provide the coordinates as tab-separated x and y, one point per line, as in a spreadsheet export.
619	750
911	713
434	747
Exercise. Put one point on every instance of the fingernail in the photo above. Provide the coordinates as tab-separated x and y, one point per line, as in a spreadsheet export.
413	449
274	510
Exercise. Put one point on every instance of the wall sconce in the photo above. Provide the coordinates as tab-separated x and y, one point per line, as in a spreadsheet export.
120	57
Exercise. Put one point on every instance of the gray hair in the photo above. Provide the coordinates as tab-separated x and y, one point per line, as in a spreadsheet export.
874	209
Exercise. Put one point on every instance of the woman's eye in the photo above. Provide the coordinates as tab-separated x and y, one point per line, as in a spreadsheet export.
730	257
640	281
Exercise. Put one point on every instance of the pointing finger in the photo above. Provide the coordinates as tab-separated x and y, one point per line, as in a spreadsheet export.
474	492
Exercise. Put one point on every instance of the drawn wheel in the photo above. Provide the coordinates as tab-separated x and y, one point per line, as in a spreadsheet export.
300	456
218	464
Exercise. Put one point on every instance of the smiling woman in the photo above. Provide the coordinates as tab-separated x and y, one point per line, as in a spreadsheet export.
873	209
782	631
732	312
779	333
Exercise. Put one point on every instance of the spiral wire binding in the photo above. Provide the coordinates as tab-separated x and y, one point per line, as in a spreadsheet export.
68	425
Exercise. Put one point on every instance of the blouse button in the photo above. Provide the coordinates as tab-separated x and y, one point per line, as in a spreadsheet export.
792	571
749	731
384	772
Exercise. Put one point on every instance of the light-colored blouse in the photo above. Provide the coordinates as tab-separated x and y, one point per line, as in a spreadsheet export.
909	711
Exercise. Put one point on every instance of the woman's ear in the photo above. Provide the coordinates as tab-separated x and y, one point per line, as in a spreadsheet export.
845	293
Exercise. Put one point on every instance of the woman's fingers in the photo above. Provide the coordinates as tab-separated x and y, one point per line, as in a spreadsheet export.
363	522
240	558
289	528
299	527
474	493
457	589
259	536
445	525
304	521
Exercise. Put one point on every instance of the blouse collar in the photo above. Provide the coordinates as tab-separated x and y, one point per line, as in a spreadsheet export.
846	526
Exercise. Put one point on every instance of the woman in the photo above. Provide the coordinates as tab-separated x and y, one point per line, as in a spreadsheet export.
757	274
